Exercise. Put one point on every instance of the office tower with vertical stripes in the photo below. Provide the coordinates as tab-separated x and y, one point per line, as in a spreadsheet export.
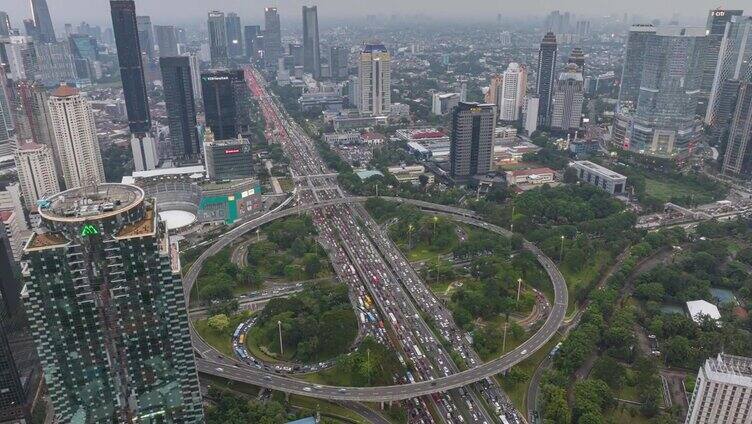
374	76
217	25
311	48
107	310
181	110
546	77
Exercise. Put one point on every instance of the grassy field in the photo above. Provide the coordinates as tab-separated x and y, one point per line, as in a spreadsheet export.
221	340
664	189
625	414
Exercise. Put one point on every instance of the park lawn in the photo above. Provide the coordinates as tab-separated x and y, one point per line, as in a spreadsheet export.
625	414
221	340
286	184
252	345
331	377
518	392
512	342
664	189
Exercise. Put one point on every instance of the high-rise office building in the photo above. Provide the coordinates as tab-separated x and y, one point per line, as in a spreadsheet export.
33	98
634	56
5	25
217	25
296	53
338	61
250	34
55	62
180	105
225	102
471	145
311	48
509	101
724	107
228	159
108	312
76	138
546	77
195	76
44	30
234	35
131	67
272	38
577	56
36	172
85	55
374	76
716	27
145	35
723	392
13	398
566	110
734	62
530	114
737	161
663	120
167	40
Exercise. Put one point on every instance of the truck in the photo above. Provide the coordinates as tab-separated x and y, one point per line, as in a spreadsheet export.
418	353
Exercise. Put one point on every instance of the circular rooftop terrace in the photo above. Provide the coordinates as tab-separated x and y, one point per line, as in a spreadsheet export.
91	203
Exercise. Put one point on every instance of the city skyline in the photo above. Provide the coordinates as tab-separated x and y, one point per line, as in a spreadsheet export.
174	12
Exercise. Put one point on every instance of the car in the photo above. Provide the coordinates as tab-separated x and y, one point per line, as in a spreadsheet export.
220	369
267	377
342	390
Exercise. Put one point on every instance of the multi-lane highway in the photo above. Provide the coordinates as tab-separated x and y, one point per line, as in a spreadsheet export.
366	260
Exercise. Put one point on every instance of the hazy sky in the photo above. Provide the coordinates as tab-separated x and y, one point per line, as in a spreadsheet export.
251	11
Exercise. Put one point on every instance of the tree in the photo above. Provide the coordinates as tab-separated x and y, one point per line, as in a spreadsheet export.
678	350
423	179
219	322
609	370
570	175
555	407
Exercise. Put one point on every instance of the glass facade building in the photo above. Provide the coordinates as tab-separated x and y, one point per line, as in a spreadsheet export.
311	48
217	26
107	310
546	77
180	105
471	145
226	99
131	68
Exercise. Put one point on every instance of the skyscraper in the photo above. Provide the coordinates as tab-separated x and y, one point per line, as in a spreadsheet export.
723	391
578	58
33	98
145	35
509	102
36	172
566	110
734	62
250	33
180	105
670	83
218	39
716	27
272	38
374	76
737	161
471	145
311	49
108	312
234	35
225	102
131	67
167	40
42	21
634	56
195	75
5	25
546	77
76	138
338	61
54	62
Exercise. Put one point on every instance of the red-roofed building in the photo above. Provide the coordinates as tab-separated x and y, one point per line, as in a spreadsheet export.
372	138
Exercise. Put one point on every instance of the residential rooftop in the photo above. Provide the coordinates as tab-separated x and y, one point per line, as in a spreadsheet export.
92	202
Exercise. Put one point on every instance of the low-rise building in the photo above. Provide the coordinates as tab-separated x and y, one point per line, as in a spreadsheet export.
505	134
343	123
600	176
399	111
410	173
349	137
324	100
443	103
699	310
372	138
530	176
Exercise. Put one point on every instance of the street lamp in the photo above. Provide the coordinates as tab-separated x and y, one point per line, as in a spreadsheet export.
519	286
410	236
561	249
435	219
279	326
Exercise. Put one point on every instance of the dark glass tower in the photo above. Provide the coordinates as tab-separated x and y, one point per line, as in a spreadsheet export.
546	71
471	146
225	102
181	112
42	21
217	26
716	26
131	68
167	40
311	50
272	38
250	33
107	309
234	35
13	402
737	161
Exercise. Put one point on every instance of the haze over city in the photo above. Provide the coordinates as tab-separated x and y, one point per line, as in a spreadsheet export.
388	212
